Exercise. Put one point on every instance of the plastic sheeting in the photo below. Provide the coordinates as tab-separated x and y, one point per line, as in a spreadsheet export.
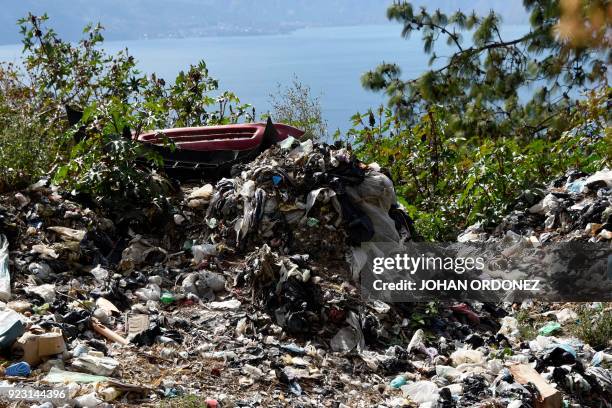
374	196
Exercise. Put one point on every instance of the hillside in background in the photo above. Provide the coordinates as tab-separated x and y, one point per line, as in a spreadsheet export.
138	19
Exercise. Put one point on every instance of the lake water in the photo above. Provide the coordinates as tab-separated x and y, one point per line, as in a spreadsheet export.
330	60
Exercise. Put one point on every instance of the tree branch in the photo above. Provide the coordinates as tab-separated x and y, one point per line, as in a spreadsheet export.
445	31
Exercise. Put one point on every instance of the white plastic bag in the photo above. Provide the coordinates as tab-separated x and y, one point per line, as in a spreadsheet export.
200	252
466	356
5	277
421	391
374	196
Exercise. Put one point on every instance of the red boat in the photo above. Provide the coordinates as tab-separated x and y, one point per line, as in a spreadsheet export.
240	137
211	150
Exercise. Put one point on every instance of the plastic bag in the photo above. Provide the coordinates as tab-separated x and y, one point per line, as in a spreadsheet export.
5	277
421	391
57	375
375	196
466	356
350	337
201	252
509	327
150	292
418	340
69	234
11	327
95	364
549	328
88	400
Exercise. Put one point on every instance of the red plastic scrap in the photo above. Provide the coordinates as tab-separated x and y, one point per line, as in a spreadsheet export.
465	309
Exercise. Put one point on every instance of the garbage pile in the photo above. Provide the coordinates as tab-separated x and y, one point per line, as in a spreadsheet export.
301	197
577	206
246	296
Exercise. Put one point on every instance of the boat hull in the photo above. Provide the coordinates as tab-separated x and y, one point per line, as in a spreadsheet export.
211	151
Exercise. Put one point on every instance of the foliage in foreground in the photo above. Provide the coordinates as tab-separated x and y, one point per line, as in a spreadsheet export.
461	140
491	86
448	182
97	156
594	325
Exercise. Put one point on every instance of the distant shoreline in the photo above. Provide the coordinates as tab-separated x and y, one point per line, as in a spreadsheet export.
227	33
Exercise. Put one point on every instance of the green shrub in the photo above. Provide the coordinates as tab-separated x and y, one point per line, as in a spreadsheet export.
296	106
594	325
497	116
526	325
28	144
97	156
448	182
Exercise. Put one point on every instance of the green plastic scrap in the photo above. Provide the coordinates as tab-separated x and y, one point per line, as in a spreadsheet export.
187	245
167	298
549	328
42	309
312	222
56	375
